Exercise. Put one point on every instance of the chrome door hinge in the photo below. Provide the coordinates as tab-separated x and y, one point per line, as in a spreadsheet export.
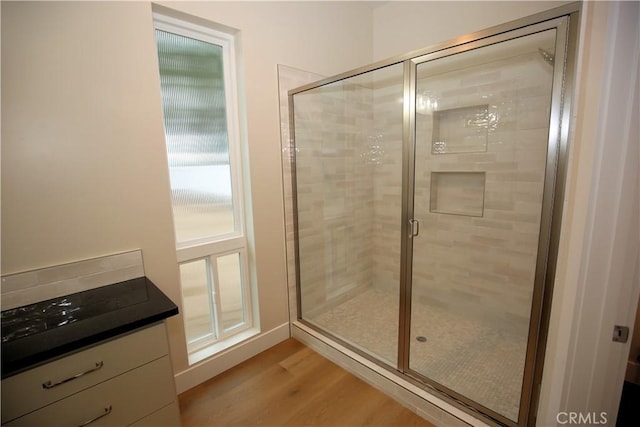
620	333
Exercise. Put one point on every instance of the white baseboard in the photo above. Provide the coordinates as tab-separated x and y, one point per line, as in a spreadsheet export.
229	358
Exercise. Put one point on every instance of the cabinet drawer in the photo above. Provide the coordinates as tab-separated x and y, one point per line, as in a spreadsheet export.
56	380
120	401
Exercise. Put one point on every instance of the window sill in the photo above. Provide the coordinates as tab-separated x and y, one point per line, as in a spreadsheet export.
215	348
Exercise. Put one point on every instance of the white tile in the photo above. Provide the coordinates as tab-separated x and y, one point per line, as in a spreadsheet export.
15	282
52	282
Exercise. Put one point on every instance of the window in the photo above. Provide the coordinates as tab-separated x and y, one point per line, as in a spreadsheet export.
197	78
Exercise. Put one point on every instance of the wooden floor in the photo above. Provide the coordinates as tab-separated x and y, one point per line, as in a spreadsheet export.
290	385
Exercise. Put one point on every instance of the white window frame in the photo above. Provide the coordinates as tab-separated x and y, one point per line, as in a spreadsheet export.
212	248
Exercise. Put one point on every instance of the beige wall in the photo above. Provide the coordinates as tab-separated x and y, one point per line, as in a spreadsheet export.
404	26
596	282
84	173
84	169
83	163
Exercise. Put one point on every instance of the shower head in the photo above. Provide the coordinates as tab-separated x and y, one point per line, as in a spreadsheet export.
548	58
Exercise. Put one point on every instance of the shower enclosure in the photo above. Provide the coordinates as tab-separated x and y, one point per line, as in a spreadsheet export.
427	197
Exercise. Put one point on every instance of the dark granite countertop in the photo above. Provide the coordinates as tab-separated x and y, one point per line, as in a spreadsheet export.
38	333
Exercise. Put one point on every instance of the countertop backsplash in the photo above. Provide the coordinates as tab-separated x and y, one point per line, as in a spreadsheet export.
51	282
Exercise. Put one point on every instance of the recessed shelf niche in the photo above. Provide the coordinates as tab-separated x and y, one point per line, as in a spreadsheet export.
460	130
457	193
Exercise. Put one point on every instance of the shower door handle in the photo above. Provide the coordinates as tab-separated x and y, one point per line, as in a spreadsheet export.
414	227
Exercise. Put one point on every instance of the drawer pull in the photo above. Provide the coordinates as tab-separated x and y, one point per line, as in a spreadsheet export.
49	384
107	411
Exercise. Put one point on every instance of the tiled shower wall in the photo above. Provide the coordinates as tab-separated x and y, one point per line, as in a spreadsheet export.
349	154
387	199
349	137
334	193
479	259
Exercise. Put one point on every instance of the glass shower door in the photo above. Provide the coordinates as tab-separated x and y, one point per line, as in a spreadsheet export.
348	198
481	148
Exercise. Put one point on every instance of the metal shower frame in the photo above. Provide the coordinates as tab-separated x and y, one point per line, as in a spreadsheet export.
565	20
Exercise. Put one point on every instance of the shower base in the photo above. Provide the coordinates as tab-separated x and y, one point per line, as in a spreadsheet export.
471	357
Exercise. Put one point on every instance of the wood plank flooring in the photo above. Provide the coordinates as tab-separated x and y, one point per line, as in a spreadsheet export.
291	385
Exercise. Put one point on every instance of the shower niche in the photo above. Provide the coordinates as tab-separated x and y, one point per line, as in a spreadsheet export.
457	193
436	266
460	130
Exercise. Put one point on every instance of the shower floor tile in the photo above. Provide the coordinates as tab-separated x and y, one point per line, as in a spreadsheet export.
470	357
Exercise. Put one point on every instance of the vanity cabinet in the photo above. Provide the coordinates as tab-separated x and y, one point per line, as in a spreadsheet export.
124	381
